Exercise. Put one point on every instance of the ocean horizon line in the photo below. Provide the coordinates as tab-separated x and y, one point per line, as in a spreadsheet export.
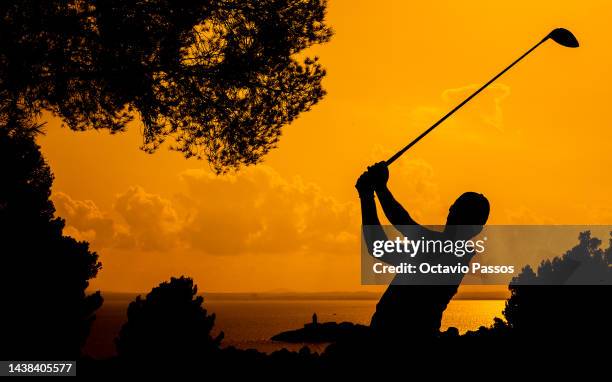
489	293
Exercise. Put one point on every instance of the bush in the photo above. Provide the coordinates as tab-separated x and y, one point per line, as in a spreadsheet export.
168	324
579	310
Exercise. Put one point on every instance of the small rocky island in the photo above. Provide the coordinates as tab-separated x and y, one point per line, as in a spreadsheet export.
315	332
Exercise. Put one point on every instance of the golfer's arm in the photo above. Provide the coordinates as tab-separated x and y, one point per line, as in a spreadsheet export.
394	211
372	230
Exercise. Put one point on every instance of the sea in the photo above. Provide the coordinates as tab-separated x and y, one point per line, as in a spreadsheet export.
250	321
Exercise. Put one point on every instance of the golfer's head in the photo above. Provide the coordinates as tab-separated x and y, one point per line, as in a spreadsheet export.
469	209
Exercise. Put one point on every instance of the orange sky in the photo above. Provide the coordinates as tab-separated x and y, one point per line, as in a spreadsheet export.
536	144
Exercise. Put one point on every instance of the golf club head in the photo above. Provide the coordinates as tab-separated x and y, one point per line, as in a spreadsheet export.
564	37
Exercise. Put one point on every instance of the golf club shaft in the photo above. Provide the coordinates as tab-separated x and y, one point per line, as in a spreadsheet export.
399	153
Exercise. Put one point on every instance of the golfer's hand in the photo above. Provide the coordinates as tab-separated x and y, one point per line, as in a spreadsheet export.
379	175
364	185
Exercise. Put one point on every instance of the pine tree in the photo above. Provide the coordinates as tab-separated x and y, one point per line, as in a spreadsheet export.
221	77
46	312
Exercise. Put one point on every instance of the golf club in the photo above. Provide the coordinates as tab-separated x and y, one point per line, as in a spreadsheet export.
561	36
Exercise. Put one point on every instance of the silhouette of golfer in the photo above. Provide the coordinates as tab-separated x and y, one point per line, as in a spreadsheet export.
415	311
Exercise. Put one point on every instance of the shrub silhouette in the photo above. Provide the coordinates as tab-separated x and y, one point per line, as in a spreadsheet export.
46	312
221	77
578	311
168	324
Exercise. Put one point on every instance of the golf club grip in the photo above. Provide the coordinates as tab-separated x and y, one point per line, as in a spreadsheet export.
403	150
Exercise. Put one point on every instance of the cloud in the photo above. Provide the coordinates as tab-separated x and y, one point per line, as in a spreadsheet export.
258	211
491	109
417	179
522	215
85	221
152	221
138	220
414	180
